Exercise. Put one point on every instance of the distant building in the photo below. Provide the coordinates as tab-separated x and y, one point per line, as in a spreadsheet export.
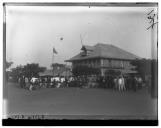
46	73
62	71
105	57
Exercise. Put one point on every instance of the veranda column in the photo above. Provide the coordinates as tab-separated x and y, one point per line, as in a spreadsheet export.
102	72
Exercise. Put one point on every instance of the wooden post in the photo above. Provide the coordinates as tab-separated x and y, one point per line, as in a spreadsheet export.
53	62
154	44
102	73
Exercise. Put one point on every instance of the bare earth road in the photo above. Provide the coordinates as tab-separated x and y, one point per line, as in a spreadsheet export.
83	103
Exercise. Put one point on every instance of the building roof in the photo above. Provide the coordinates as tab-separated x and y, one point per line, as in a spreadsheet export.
105	51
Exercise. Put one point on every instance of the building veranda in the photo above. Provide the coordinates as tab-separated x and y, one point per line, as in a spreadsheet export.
105	57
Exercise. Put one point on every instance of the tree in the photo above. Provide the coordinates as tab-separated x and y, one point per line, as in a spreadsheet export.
143	66
28	70
16	72
148	67
7	73
8	64
32	69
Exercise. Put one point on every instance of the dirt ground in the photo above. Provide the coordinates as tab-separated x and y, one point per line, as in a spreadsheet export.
80	103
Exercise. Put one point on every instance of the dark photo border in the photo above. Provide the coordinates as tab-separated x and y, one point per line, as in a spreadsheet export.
72	122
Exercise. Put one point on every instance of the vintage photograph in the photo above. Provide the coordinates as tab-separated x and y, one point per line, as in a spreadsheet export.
81	61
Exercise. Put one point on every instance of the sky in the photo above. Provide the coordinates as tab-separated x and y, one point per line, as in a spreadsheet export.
33	31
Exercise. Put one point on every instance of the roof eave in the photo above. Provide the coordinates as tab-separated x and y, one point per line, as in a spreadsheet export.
101	57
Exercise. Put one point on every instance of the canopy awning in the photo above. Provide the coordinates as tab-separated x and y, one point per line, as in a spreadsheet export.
46	73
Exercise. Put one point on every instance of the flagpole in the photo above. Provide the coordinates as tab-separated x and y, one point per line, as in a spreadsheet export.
53	58
54	52
53	62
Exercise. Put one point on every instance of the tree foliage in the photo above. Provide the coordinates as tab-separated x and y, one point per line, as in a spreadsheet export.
32	69
16	72
8	64
28	70
144	66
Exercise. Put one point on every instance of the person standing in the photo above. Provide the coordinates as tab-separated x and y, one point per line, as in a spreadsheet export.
123	83
22	82
26	82
116	83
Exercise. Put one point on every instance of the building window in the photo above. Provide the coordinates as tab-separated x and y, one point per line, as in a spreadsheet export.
97	63
106	63
126	63
110	64
122	64
94	63
101	62
115	63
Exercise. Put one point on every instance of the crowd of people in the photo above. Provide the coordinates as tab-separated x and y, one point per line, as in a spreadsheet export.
120	83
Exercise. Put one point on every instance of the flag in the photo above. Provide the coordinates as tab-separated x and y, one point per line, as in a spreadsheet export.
54	51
